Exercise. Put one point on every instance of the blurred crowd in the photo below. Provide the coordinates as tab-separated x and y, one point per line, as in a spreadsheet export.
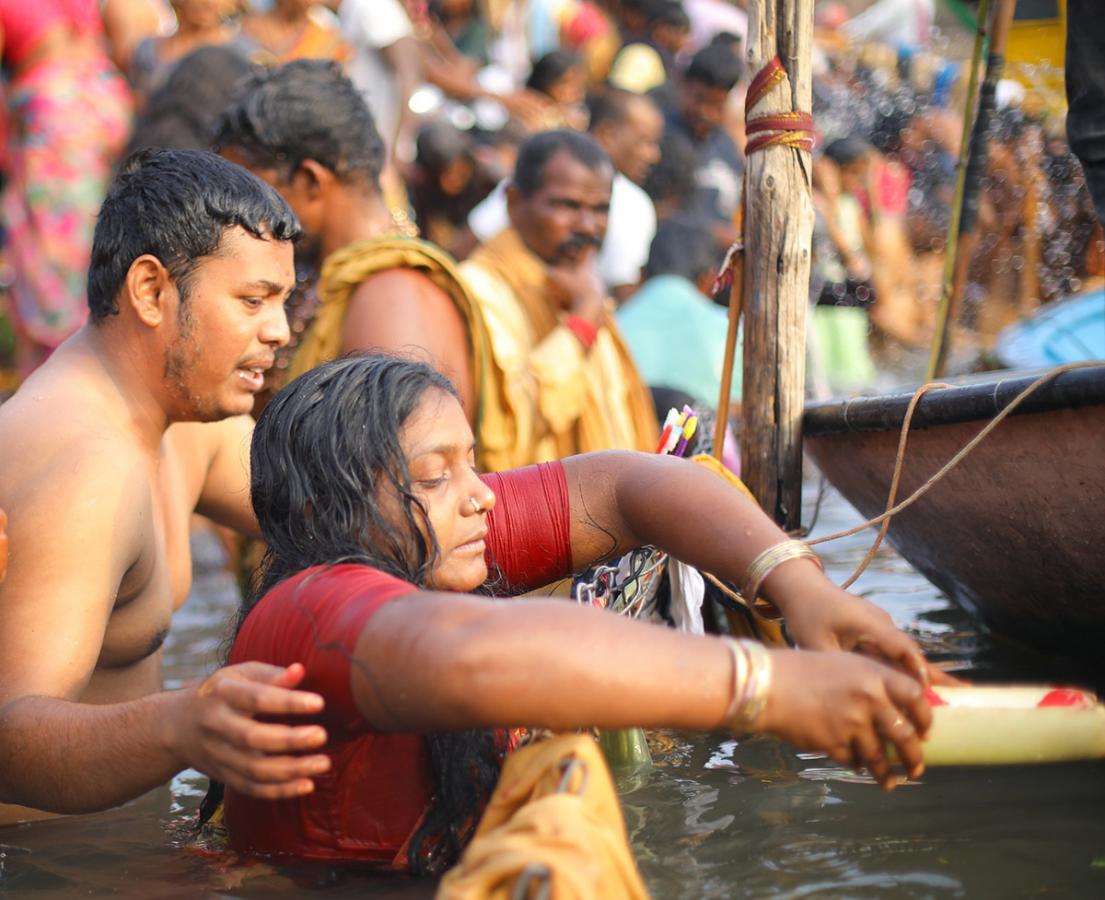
454	86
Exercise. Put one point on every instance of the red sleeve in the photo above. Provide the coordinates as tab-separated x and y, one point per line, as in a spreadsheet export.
529	539
315	618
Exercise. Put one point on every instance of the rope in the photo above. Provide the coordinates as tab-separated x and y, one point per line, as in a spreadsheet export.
781	129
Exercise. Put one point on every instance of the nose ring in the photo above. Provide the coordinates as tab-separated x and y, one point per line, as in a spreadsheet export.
476	508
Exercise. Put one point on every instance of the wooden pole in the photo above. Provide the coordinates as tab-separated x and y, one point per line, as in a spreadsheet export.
778	227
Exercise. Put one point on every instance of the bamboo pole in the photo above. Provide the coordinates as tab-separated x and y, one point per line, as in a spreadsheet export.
778	228
964	224
735	297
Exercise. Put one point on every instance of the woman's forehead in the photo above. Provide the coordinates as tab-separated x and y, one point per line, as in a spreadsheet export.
437	425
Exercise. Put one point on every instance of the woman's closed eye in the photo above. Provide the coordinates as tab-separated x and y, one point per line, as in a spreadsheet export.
429	484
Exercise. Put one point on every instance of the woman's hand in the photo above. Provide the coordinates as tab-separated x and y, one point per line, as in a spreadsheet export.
849	708
832	619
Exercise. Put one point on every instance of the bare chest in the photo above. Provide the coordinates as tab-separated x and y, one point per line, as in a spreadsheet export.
158	581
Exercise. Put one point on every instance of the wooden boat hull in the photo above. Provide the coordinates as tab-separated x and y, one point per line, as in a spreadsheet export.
1016	533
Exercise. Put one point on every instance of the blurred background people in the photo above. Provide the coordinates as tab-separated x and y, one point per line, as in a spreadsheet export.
67	118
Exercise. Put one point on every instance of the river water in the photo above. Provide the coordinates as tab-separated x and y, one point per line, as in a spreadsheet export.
714	818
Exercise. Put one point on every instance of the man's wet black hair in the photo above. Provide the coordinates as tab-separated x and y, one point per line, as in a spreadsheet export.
323	452
716	66
536	151
684	246
176	205
306	109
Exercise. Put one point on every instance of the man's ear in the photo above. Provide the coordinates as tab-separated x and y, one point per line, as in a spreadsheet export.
312	180
147	289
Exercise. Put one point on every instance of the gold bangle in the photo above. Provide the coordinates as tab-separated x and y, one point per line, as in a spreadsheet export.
751	683
768	561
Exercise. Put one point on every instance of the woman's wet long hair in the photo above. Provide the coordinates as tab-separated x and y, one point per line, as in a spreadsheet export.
323	451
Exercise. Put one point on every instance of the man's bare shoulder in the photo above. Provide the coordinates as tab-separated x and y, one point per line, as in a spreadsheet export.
199	444
400	288
41	428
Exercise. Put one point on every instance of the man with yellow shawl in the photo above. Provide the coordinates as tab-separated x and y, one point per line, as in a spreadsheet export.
306	130
563	374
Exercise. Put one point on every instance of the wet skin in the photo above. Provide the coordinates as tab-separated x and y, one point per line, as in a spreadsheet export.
105	464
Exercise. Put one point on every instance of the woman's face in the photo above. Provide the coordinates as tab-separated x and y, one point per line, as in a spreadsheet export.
440	452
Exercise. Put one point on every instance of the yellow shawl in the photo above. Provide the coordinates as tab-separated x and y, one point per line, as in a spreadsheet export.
556	399
344	270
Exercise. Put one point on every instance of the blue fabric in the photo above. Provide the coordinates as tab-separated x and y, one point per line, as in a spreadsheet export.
677	338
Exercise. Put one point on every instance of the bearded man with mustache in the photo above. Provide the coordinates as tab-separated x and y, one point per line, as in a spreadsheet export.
568	384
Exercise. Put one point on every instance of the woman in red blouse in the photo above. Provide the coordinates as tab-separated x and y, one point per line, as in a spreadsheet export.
379	529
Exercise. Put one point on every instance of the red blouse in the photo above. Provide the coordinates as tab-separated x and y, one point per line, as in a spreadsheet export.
367	807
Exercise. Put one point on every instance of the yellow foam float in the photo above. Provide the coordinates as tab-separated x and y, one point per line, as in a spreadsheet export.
1014	724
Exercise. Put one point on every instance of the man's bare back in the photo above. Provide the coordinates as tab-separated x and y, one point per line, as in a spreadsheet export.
105	457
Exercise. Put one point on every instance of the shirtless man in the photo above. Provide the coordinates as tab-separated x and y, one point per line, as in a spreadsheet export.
105	457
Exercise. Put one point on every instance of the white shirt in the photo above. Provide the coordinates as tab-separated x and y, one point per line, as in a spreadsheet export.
371	26
630	228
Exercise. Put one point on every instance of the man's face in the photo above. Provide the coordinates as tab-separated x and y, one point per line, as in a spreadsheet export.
634	144
703	108
564	220
224	335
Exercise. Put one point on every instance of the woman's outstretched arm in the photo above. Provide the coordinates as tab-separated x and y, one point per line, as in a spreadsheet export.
619	500
431	662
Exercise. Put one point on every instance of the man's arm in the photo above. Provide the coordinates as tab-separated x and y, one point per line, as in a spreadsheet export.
63	756
402	311
224	495
77	529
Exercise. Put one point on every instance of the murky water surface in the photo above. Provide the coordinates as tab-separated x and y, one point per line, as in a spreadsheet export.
716	818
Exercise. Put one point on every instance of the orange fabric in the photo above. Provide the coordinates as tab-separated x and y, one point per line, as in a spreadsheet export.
554	819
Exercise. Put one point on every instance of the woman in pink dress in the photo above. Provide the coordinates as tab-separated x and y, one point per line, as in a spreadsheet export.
68	115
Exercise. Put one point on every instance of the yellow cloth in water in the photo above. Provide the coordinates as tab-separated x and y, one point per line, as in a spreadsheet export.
556	399
345	270
554	819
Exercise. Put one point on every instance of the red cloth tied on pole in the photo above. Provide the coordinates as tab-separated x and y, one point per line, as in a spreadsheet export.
788	129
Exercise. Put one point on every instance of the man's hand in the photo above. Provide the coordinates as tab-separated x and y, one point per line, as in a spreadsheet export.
578	288
216	731
3	543
849	708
